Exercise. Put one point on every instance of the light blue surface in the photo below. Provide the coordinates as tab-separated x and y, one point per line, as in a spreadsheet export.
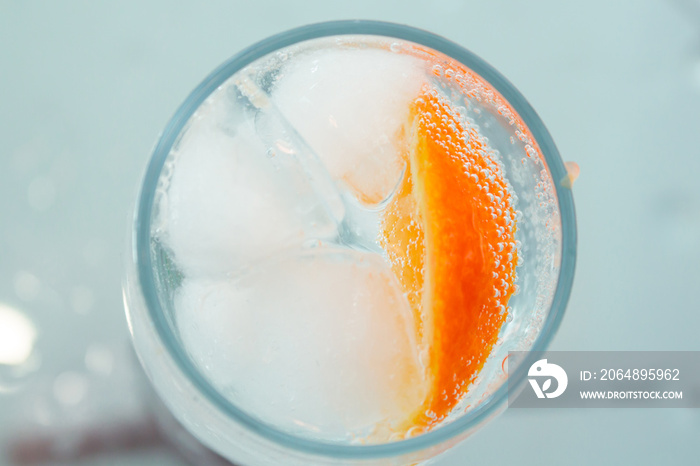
85	88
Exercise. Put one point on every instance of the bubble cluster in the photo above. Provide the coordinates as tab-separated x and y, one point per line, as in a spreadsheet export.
495	210
450	236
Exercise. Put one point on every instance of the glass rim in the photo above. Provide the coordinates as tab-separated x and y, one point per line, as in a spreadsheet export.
142	234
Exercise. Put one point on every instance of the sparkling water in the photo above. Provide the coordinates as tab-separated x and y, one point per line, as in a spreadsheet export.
269	210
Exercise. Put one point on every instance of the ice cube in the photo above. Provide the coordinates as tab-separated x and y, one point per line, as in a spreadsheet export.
225	205
320	342
351	105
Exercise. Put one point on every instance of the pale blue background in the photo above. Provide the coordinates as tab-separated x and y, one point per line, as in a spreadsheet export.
86	87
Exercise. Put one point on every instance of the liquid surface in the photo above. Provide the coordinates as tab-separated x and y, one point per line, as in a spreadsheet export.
345	238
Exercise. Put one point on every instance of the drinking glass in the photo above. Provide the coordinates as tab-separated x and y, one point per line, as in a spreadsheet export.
546	235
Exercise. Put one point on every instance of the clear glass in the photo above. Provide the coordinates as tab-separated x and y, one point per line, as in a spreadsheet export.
546	234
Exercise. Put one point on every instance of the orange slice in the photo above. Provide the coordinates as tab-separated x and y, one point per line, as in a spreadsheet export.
449	233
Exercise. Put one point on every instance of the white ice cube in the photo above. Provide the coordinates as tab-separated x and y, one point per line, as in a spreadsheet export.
350	106
321	342
225	205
